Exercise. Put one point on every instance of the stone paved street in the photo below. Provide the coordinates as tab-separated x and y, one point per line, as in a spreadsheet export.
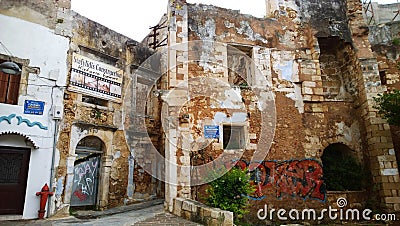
165	219
154	215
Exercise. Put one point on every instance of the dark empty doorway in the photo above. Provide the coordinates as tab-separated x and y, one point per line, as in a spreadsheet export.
342	171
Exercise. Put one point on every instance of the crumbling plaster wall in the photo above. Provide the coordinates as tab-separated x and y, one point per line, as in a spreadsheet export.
376	131
43	12
384	34
387	53
383	38
333	20
286	52
121	180
388	56
293	73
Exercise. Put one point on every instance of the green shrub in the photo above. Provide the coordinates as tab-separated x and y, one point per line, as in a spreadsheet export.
388	105
230	192
396	41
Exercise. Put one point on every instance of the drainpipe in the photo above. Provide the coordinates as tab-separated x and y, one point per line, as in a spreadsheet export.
131	182
53	159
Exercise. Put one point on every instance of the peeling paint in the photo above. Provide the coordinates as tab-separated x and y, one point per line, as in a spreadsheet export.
284	65
116	155
237	117
246	29
207	33
233	99
350	134
229	24
60	186
298	98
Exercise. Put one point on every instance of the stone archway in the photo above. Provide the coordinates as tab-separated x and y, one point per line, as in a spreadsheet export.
78	134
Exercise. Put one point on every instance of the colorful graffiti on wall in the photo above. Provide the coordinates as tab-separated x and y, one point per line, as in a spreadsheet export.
302	178
85	182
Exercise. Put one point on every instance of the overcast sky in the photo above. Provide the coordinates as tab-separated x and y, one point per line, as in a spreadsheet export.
133	19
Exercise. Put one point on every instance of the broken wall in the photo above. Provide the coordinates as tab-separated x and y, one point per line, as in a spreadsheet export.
383	39
87	113
323	79
333	20
36	11
285	53
380	153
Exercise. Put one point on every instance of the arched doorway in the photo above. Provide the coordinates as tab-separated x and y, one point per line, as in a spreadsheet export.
86	172
342	171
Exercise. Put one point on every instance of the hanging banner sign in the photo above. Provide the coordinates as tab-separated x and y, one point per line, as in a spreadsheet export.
95	79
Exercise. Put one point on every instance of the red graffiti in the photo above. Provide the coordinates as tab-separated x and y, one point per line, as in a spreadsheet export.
296	178
80	195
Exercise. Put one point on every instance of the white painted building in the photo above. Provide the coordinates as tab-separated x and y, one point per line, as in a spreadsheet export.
27	132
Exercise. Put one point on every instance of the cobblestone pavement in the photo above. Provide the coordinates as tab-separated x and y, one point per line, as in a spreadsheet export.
153	215
166	219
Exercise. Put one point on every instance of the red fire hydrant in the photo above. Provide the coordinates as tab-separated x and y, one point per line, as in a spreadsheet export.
43	200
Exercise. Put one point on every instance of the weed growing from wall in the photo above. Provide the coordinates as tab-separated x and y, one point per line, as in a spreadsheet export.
388	105
396	41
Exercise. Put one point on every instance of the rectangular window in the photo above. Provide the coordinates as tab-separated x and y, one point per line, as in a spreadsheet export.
382	76
9	88
240	64
94	100
234	137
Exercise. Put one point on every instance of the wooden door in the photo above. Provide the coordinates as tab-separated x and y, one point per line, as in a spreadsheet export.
14	165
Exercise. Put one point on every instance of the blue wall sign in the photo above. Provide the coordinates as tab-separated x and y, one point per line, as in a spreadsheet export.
211	132
33	107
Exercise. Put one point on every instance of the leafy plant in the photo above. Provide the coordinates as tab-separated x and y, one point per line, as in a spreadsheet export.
388	105
396	41
230	192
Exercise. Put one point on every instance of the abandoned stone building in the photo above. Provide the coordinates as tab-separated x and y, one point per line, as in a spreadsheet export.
107	121
289	94
91	138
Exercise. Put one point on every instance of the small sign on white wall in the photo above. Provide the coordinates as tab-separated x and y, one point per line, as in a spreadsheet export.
33	107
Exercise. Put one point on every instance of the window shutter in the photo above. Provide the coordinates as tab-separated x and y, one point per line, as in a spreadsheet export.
13	89
3	86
